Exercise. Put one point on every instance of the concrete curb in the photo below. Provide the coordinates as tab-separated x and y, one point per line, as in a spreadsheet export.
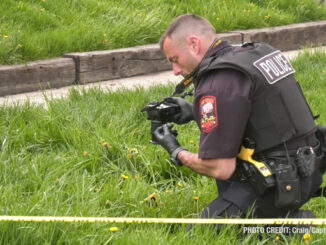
89	67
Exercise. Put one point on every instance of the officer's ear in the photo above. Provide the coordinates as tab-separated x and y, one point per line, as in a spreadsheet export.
193	43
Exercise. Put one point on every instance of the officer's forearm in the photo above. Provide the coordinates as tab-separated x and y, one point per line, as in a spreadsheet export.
220	168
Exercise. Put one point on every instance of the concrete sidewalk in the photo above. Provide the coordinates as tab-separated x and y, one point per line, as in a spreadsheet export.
112	85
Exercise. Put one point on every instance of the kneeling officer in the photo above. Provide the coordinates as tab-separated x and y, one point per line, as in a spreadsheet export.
245	98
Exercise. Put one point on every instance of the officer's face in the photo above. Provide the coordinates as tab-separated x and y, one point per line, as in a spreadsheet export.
182	57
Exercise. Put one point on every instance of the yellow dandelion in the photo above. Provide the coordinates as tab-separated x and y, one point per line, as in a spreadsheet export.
125	177
43	1
19	46
196	198
104	35
85	153
307	238
136	177
179	184
277	238
105	144
191	142
252	5
5	36
114	229
267	17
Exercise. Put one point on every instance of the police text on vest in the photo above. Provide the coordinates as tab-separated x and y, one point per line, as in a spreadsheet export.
274	66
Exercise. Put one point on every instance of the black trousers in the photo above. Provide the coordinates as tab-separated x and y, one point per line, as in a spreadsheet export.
239	199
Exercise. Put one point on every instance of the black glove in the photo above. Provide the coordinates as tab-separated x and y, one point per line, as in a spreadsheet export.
186	113
168	141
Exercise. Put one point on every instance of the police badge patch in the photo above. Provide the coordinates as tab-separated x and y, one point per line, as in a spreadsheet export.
208	113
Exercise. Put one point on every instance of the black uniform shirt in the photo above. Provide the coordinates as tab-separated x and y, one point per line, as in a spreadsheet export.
221	109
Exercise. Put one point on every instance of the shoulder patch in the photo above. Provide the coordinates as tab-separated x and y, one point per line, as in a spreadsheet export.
208	113
274	66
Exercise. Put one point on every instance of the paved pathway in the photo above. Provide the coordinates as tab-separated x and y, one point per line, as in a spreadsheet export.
129	83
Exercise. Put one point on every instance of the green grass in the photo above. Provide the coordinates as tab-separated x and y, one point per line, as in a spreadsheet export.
53	163
39	29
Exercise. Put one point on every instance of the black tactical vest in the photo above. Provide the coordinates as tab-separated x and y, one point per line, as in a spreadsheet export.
279	110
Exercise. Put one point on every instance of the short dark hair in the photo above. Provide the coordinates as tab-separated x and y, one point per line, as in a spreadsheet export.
197	23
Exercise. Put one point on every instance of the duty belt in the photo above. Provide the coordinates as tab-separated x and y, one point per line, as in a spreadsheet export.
285	168
290	156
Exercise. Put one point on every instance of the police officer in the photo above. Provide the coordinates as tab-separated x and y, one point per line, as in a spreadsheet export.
240	92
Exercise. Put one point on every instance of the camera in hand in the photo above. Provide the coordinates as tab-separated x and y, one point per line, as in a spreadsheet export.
160	113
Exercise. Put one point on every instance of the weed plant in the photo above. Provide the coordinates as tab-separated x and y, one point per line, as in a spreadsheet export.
89	155
39	29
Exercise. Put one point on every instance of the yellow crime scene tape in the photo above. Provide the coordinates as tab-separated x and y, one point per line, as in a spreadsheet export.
66	219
